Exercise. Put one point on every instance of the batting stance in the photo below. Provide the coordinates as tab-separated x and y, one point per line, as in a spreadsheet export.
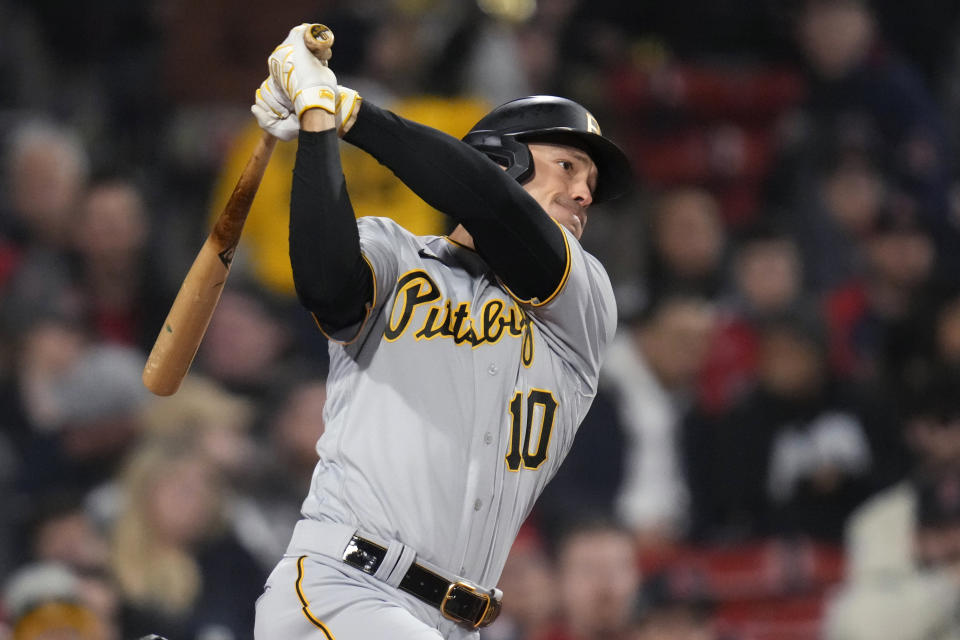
460	366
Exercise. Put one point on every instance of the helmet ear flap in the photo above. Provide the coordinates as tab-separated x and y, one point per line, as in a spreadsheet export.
506	151
503	135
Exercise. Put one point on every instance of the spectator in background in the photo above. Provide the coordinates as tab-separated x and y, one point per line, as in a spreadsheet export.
63	531
767	273
598	581
688	242
652	370
72	406
202	85
218	421
275	482
929	350
830	218
874	319
792	459
627	455
45	171
504	50
885	330
862	83
246	341
181	571
528	584
41	355
592	474
948	331
943	357
932	353
258	470
678	621
42	602
767	282
864	96
662	615
107	71
902	545
123	296
938	523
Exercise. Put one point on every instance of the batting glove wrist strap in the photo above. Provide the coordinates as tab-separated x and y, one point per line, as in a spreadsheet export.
315	98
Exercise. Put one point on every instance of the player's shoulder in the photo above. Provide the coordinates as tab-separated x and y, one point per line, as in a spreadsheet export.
388	243
586	267
578	252
381	224
585	285
383	229
593	263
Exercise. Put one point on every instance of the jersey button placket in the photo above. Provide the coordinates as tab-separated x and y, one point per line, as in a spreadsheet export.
483	464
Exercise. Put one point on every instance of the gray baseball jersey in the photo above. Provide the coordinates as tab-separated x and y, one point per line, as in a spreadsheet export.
452	405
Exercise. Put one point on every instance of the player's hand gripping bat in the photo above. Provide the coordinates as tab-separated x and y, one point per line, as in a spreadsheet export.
190	313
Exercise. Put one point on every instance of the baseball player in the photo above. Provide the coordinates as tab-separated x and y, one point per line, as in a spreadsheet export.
460	366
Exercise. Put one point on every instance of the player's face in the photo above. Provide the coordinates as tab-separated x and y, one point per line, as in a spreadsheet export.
563	182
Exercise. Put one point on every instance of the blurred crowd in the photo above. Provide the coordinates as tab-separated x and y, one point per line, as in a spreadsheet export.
775	448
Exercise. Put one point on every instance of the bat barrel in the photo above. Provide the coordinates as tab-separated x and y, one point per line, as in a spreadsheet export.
186	323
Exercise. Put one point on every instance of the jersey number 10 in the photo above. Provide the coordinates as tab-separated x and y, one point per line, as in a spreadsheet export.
539	403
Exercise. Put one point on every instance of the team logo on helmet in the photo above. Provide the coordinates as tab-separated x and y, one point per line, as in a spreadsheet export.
592	125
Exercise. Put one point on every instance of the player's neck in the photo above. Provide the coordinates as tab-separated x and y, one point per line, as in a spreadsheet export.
462	236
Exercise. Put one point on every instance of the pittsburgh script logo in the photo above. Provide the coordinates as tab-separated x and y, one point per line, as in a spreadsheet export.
444	320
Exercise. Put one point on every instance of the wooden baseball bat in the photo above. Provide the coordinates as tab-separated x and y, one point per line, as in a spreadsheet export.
186	323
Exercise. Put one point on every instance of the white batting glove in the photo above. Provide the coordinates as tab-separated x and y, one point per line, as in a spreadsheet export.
306	82
274	112
275	115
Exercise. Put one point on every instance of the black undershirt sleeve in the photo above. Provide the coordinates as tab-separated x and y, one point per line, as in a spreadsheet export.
525	248
330	276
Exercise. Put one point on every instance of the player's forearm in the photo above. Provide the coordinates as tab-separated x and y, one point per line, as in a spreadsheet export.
512	232
329	274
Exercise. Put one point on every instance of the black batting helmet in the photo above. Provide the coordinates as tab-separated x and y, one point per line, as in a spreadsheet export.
503	133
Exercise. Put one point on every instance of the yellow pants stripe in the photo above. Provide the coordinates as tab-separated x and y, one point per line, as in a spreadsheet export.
306	605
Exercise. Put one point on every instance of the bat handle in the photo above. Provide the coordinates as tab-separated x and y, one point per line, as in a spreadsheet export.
226	231
319	39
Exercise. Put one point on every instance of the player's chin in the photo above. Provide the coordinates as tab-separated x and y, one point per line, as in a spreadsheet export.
571	222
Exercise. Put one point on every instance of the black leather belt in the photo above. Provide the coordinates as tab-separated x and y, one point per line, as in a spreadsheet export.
461	601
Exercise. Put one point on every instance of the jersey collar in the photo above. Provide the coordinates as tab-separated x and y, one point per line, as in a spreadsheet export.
454	255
